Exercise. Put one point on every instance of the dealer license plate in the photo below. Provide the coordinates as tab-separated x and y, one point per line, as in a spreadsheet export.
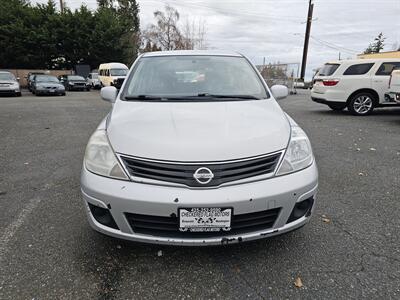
199	219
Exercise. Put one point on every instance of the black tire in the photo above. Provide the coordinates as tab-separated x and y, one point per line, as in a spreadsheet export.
18	94
337	107
362	104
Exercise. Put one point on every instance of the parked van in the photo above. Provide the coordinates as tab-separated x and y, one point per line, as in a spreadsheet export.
360	85
394	86
112	74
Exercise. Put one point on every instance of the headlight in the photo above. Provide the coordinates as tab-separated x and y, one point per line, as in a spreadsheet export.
61	87
100	157
298	154
70	83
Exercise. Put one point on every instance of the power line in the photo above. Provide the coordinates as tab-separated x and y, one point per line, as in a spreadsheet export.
232	11
329	44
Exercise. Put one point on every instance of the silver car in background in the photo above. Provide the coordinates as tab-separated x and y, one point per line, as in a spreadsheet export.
196	151
9	85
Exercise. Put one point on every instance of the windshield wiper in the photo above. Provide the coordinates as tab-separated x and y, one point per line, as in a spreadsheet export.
145	98
202	96
228	96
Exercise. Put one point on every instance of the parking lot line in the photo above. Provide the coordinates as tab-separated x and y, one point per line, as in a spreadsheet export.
13	227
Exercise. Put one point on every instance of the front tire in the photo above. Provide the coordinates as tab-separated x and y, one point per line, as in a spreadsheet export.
362	104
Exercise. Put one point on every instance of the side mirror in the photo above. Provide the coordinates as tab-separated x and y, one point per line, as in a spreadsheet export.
279	91
18	78
109	93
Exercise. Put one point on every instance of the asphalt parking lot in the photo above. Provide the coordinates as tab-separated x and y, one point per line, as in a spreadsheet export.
350	249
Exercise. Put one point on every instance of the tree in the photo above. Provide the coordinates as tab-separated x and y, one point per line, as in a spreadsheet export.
39	36
165	33
168	34
377	45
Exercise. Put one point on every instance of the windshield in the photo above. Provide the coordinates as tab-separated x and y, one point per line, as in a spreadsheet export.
75	78
6	76
195	76
95	76
45	78
118	72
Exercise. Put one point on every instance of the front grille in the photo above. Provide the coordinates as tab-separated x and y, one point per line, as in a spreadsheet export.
169	226
183	173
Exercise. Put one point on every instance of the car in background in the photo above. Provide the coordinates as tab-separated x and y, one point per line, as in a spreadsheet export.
30	77
113	74
9	85
74	82
197	151
93	81
394	86
47	85
360	85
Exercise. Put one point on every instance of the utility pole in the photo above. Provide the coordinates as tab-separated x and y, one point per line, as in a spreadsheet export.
307	39
62	6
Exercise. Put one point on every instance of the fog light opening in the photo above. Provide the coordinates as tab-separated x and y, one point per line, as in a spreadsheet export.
301	209
103	216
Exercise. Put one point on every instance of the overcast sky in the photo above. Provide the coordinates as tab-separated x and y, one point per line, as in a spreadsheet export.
274	29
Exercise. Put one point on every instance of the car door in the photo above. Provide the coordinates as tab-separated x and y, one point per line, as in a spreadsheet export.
380	80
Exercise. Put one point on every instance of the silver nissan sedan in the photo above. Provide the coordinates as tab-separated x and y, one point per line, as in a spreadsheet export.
196	151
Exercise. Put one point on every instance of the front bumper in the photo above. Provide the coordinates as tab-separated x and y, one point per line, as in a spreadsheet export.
122	197
50	92
9	90
77	87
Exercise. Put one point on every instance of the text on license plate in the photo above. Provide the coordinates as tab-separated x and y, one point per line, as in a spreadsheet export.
205	219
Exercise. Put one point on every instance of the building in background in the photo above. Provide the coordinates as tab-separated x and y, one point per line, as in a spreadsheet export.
389	54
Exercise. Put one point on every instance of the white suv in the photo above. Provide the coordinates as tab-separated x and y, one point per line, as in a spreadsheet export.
360	85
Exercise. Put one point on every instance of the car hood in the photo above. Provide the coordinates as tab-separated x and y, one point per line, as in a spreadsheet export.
198	131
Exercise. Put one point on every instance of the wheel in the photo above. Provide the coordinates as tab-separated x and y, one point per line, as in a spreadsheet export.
362	104
337	107
18	94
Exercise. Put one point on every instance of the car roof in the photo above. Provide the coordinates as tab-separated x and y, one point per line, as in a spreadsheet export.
113	65
5	72
192	52
364	60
